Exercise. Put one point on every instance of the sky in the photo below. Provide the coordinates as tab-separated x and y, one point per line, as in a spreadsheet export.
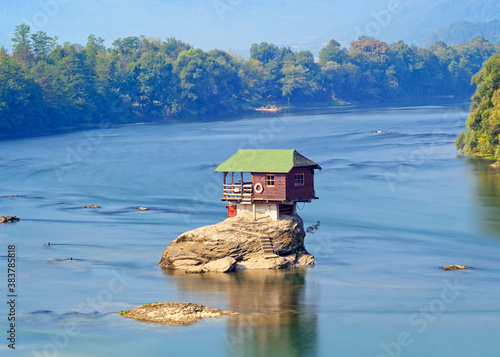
208	24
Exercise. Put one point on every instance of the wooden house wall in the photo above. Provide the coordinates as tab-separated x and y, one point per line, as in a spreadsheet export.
298	193
284	186
278	192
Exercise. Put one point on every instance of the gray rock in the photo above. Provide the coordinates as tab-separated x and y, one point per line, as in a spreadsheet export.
305	260
455	267
287	261
174	313
238	238
9	219
261	262
223	265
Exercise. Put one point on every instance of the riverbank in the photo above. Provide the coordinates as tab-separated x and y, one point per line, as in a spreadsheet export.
248	111
251	109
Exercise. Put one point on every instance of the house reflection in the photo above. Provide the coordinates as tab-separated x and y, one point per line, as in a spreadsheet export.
274	319
488	194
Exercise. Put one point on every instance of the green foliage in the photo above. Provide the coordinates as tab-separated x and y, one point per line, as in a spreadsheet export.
332	52
20	98
49	86
482	136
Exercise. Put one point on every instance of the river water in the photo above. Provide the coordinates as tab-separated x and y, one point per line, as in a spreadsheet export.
393	207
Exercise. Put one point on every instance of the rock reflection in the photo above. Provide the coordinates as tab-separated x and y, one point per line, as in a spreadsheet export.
273	320
488	193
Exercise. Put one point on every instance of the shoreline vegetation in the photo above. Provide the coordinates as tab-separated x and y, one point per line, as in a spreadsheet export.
48	87
481	137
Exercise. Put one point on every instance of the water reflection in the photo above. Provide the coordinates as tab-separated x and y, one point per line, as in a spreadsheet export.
274	319
488	194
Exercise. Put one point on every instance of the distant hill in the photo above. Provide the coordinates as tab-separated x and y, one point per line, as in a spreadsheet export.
462	32
414	20
413	24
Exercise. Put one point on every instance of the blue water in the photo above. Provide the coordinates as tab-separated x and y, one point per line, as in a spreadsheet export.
394	207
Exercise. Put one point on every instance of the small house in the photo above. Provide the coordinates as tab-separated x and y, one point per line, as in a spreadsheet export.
270	182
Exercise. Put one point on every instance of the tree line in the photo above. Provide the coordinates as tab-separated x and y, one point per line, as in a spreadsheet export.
46	85
482	134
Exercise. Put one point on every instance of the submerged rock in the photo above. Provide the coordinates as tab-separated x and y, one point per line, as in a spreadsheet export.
9	219
455	267
238	239
175	313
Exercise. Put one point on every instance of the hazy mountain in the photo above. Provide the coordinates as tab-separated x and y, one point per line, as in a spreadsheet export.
412	21
448	12
463	31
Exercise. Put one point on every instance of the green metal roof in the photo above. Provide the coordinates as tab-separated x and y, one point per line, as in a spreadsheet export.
265	160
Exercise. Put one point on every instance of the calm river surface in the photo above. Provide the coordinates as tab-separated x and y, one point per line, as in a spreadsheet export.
394	207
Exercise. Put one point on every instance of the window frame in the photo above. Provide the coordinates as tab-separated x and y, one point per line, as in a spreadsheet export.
299	179
270	178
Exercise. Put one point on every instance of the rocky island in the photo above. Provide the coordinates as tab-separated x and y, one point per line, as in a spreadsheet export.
9	219
174	313
240	243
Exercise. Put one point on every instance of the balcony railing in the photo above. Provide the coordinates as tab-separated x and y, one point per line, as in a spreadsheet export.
241	192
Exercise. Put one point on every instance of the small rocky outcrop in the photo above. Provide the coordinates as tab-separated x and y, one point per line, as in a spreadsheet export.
235	244
175	313
455	267
9	219
92	206
142	208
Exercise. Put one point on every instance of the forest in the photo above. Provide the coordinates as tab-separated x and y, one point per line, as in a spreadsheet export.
482	134
47	86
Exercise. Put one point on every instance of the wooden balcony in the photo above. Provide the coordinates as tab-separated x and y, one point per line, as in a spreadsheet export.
238	192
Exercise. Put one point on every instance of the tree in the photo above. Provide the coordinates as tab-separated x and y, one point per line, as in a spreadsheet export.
157	89
332	81
21	44
45	85
41	44
252	74
21	103
332	52
481	136
224	79
173	47
195	82
264	52
294	82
